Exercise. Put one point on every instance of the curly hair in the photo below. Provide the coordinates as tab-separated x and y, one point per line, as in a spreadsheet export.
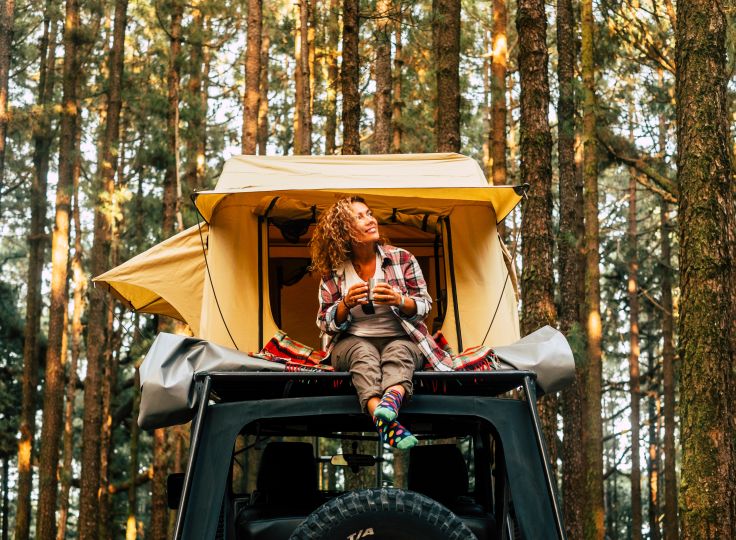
332	239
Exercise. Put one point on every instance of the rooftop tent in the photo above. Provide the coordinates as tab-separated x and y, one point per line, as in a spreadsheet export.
263	208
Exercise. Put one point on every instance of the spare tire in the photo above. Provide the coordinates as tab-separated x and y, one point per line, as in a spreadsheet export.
380	514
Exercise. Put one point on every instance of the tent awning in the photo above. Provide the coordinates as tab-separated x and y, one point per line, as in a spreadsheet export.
153	281
435	182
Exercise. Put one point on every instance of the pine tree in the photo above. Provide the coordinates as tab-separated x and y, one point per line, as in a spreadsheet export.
446	49
252	76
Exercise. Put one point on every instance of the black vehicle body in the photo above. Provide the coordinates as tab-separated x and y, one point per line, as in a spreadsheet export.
514	485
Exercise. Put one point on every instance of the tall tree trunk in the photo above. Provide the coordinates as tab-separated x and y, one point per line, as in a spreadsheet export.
398	103
671	528
333	35
571	273
634	389
252	76
498	93
707	273
654	428
80	288
37	240
537	289
7	16
109	382
302	112
104	225
54	385
262	134
197	90
131	524
159	509
593	430
382	132
446	48
350	78
172	185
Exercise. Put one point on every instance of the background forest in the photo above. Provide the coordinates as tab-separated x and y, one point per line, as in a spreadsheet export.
618	113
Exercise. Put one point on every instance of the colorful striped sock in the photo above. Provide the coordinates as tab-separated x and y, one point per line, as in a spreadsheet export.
388	408
394	434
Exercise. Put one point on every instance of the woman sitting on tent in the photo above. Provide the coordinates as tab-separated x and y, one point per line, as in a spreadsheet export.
381	342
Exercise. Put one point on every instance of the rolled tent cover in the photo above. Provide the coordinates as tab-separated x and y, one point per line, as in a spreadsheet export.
164	280
426	182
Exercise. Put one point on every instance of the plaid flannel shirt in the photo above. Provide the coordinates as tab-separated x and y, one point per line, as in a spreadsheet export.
402	272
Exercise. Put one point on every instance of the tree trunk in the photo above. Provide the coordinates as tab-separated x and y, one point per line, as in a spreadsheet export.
707	273
446	47
571	273
635	391
197	90
6	498
537	289
671	528
302	112
593	430
350	78
333	35
54	385
131	525
100	258
80	289
654	428
382	131
498	93
37	240
172	186
7	16
398	103
252	76
262	134
159	509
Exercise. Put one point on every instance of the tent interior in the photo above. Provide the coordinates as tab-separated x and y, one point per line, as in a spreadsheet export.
293	288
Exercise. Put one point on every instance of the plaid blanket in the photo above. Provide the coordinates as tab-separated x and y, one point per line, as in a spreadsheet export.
297	357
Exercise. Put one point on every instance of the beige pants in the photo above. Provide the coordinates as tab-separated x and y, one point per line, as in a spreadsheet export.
377	363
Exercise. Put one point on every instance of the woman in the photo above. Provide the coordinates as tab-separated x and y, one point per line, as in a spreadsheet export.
381	342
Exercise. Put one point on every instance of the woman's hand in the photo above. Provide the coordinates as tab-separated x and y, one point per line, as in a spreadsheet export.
356	295
385	295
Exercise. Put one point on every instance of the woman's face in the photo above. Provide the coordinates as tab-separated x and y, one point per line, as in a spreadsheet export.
366	226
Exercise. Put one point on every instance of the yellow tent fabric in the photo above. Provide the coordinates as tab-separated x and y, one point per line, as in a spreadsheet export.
230	303
436	182
165	280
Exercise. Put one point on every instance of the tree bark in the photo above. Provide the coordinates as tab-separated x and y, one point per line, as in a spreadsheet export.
382	131
498	93
80	289
398	103
104	225
571	273
54	385
537	289
333	35
262	134
654	460
37	240
707	273
7	16
252	76
446	47
671	527
131	525
634	388
302	112
172	185
593	429
197	90
350	78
